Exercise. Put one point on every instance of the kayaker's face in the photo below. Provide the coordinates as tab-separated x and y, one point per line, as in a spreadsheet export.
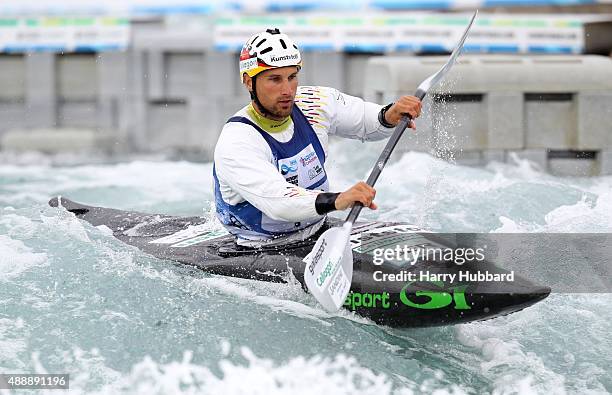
276	90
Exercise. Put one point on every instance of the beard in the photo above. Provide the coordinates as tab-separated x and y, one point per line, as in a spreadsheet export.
279	111
282	111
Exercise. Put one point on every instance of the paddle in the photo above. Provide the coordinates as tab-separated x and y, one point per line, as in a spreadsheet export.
329	266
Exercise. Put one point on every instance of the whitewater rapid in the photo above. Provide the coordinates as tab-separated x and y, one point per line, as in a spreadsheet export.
75	300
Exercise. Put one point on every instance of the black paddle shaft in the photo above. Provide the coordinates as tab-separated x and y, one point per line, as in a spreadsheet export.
399	129
380	163
384	157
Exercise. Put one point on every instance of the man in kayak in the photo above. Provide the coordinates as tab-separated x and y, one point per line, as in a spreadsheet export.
269	162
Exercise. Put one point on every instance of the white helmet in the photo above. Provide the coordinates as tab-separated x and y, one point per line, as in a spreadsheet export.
268	50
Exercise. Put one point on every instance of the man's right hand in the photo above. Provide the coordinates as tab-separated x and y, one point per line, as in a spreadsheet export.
360	192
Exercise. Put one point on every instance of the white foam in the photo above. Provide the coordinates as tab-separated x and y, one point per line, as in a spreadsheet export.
110	260
238	289
583	216
144	182
509	226
288	297
105	230
226	347
88	370
339	374
18	226
67	224
12	339
526	168
524	353
499	351
507	364
16	258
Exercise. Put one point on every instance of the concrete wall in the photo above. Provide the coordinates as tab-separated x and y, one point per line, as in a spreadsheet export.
71	92
172	93
12	91
554	110
169	93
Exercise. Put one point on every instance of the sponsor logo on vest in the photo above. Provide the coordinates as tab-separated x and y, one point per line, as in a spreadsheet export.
286	57
314	172
317	257
292	180
292	167
308	159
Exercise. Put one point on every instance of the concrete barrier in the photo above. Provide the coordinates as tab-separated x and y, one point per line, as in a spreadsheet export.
175	93
59	141
547	104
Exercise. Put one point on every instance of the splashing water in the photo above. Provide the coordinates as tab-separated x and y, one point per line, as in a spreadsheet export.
76	300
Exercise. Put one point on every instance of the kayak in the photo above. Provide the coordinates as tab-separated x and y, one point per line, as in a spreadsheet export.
387	290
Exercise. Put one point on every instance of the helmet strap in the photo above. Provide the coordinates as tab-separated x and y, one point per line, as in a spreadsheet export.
264	111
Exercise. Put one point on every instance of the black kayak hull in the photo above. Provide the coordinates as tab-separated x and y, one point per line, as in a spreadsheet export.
392	303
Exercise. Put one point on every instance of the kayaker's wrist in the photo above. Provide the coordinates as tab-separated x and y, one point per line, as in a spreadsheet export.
382	116
326	202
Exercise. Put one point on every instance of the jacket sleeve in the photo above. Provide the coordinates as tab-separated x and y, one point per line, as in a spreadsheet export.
341	114
245	164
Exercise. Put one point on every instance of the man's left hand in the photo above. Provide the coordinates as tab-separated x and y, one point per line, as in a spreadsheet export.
410	105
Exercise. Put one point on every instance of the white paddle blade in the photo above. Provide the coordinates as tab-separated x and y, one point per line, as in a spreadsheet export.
329	268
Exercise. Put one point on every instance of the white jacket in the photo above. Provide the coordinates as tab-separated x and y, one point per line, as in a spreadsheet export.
245	166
